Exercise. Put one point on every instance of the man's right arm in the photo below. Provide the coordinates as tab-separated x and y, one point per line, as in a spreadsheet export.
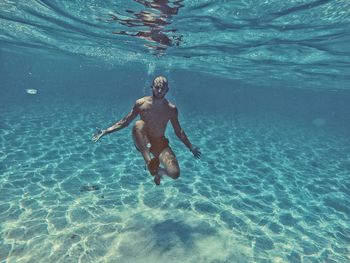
126	120
121	123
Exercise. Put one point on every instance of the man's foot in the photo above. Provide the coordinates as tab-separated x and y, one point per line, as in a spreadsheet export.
157	179
153	166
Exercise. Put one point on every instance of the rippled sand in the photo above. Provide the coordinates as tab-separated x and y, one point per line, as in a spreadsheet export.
265	190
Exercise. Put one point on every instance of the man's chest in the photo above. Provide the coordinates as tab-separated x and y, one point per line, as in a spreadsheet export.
155	114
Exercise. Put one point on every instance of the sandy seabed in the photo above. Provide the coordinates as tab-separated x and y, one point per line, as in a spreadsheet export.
266	190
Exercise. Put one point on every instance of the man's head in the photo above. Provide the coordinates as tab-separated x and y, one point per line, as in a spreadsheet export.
160	87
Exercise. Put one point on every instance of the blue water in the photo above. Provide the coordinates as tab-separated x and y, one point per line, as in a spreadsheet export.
262	87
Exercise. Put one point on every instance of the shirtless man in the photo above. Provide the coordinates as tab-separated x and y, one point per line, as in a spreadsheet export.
155	112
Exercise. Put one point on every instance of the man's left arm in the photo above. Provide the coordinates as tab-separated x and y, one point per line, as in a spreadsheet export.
182	135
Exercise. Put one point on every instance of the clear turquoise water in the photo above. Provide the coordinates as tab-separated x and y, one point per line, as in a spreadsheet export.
262	88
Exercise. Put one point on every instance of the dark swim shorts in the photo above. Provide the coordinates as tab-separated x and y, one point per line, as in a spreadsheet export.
158	145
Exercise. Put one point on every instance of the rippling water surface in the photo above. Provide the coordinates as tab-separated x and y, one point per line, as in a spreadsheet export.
286	43
262	87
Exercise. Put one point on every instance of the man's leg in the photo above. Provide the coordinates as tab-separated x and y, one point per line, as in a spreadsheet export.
140	140
169	161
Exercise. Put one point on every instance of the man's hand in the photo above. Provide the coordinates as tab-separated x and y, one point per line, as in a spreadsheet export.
98	135
196	152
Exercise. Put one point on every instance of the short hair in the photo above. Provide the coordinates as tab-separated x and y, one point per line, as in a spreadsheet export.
160	81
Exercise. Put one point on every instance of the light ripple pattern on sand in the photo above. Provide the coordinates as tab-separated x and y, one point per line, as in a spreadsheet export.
266	190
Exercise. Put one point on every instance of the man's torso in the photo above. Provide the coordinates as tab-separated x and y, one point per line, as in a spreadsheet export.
155	116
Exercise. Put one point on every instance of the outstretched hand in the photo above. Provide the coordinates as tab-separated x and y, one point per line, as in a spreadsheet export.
196	152
99	133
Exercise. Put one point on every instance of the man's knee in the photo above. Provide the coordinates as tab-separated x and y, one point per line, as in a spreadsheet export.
139	125
174	173
138	130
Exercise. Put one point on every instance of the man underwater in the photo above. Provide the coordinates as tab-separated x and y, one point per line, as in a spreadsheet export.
155	111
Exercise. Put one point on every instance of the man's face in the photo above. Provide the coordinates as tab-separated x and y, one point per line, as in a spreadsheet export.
160	90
